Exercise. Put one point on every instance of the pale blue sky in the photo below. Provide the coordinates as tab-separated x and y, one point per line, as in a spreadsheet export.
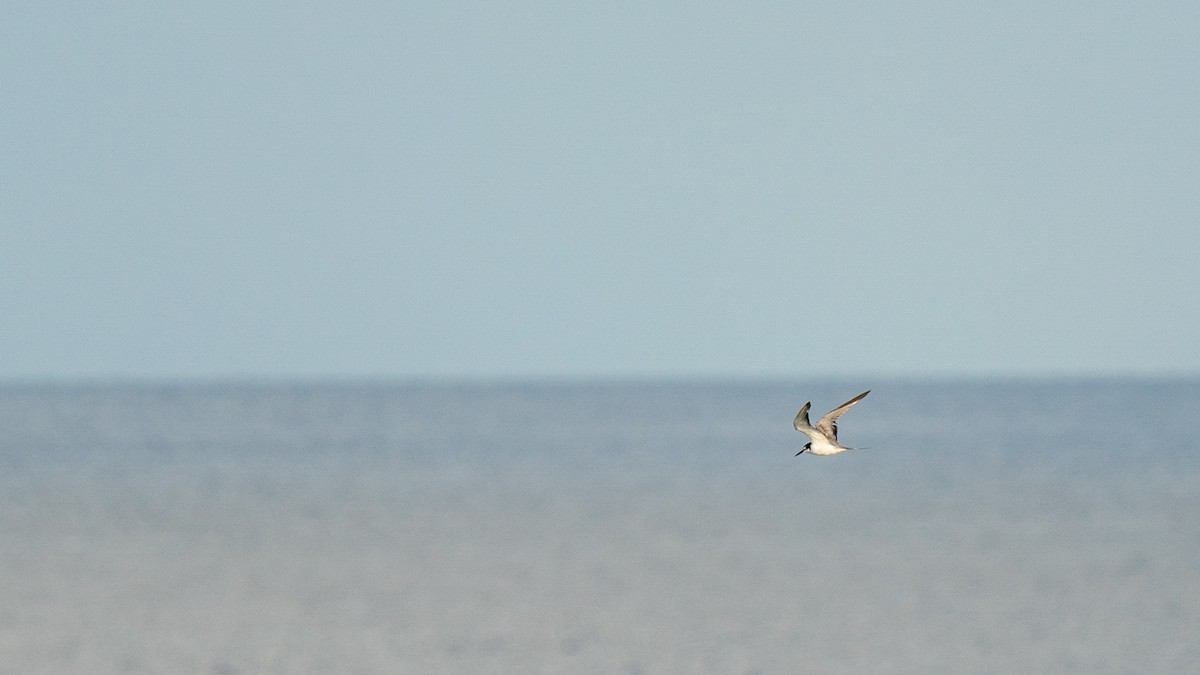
531	189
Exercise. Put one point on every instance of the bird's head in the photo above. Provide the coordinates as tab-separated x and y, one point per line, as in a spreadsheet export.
806	448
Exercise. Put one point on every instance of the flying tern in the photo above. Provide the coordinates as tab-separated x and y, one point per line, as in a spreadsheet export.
823	438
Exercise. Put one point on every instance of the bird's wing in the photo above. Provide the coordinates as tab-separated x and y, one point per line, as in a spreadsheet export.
801	421
828	422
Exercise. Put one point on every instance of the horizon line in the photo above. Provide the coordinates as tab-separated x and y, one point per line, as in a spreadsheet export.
547	379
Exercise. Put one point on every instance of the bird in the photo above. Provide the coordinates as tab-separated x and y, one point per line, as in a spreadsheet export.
823	438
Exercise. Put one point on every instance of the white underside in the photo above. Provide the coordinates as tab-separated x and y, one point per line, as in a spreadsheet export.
820	446
820	443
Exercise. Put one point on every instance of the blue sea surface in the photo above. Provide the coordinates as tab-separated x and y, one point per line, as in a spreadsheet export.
599	527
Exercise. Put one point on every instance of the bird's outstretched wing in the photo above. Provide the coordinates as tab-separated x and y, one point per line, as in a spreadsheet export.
801	421
828	422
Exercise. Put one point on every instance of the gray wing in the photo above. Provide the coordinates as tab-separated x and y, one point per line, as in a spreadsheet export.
801	421
828	422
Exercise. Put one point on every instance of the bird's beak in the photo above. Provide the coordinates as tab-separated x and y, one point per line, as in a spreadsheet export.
800	453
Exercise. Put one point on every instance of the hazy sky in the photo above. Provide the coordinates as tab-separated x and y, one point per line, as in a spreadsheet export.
531	189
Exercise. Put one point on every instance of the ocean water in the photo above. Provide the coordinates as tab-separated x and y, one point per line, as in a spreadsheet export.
987	527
